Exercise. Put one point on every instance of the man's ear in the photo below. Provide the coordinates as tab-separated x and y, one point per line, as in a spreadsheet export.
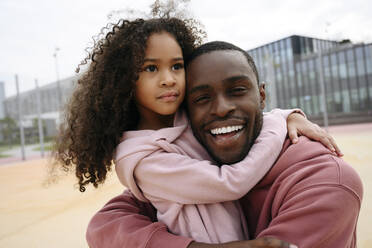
261	89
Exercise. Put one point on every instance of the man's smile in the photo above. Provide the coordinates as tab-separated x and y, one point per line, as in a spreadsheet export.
225	133
226	130
226	140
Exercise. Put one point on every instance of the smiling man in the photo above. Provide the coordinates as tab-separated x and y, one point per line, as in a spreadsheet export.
310	197
223	95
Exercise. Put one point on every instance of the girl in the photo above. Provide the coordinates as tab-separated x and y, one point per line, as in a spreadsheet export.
113	108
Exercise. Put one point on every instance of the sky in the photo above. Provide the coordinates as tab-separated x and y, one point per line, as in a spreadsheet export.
32	31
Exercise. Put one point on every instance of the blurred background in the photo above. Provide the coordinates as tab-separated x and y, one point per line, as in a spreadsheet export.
315	55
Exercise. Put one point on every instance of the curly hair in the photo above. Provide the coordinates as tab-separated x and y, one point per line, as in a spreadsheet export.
102	106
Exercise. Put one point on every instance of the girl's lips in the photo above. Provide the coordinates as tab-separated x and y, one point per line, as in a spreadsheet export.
169	93
169	96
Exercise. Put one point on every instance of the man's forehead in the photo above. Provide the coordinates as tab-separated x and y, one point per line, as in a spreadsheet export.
219	57
218	66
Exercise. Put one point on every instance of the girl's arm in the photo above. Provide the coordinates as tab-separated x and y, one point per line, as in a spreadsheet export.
180	179
298	124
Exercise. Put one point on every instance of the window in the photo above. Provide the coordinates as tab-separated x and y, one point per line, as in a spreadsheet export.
289	48
361	71
299	84
350	63
368	53
342	65
345	101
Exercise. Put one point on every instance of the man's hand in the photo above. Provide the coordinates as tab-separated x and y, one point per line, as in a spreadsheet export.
264	242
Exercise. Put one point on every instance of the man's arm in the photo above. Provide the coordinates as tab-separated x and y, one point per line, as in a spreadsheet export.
126	222
199	181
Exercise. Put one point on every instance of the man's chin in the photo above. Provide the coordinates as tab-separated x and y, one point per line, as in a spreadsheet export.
227	161
228	157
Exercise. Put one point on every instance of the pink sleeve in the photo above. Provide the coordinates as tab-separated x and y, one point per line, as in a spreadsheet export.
126	222
286	112
183	180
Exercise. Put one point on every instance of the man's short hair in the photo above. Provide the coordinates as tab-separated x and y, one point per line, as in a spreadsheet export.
221	46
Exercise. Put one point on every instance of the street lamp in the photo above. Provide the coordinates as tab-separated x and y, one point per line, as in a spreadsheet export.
323	97
59	95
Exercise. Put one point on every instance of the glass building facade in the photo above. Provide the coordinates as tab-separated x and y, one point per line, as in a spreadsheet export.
49	102
295	67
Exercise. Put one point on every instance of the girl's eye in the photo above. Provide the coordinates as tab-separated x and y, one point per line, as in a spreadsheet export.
177	66
150	68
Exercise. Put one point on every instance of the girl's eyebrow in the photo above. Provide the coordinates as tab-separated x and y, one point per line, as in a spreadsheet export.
155	60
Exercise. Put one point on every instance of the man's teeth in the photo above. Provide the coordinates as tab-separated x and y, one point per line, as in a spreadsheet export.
223	130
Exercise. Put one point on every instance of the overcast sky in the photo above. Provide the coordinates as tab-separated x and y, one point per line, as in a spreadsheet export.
31	29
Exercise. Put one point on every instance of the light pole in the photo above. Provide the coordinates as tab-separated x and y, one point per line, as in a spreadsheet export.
59	95
323	97
39	120
20	119
322	89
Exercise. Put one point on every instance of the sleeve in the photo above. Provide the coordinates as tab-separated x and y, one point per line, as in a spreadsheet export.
183	180
320	216
126	222
286	112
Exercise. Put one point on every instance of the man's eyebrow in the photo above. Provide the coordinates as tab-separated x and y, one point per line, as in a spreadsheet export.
235	78
197	88
155	60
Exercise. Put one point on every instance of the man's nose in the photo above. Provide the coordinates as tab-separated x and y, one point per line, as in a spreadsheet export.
222	106
167	79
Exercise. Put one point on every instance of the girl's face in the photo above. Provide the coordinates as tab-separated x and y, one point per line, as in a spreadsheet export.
160	88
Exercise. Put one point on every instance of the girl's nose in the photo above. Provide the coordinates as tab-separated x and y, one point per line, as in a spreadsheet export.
167	79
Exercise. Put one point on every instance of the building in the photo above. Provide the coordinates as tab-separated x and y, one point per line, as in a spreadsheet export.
52	97
290	67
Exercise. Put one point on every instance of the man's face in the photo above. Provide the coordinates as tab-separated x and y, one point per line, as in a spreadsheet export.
225	104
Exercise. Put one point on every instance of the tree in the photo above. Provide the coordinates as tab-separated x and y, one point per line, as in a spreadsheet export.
9	130
161	9
170	8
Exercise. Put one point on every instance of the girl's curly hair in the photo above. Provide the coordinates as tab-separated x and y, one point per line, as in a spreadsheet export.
102	106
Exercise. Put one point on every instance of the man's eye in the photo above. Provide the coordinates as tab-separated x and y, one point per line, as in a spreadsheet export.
177	66
201	99
150	68
238	90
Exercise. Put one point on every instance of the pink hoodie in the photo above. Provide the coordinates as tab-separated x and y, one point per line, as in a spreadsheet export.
309	198
193	197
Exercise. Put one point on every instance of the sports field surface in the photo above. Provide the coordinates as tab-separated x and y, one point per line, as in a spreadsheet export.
35	215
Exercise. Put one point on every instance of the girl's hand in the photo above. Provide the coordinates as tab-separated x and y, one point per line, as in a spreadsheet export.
297	124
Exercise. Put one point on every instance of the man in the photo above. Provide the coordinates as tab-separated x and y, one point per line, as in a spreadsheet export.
309	198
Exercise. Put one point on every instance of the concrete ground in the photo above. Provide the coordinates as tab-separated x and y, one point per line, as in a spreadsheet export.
35	215
14	155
